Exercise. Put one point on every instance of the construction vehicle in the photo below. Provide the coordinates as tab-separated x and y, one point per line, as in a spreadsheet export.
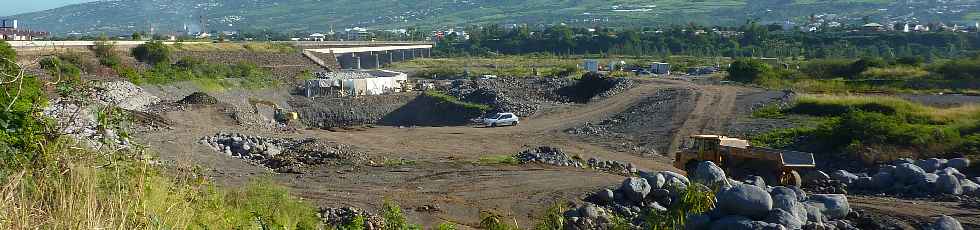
280	115
739	159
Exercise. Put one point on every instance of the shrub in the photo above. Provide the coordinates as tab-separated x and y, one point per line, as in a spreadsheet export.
394	218
895	72
553	218
493	221
827	68
152	52
771	111
59	68
962	69
747	70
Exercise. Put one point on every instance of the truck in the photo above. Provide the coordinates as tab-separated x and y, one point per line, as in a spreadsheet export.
739	159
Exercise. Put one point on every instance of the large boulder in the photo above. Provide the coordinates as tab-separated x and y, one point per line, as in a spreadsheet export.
606	196
672	176
698	222
952	171
908	173
930	165
969	187
732	223
635	188
882	180
814	176
814	213
948	184
745	200
958	163
757	181
655	179
844	176
708	173
832	206
786	219
945	222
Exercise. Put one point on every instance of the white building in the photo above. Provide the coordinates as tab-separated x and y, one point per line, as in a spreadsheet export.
355	83
660	68
591	66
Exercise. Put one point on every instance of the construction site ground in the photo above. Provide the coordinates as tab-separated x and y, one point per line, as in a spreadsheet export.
432	171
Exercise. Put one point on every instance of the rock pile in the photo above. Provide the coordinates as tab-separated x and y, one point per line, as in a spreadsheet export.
547	155
919	178
198	98
341	216
124	94
738	205
281	154
611	166
521	96
80	122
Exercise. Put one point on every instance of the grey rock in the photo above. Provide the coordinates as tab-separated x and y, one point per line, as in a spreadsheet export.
969	187
844	176
958	163
908	173
660	193
672	175
756	181
590	211
945	222
814	213
952	171
708	173
745	200
832	206
698	222
814	176
818	226
786	219
606	196
903	161
929	165
635	188
732	223
882	180
780	191
949	184
656	180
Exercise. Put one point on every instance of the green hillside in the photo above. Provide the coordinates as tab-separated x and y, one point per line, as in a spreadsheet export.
126	16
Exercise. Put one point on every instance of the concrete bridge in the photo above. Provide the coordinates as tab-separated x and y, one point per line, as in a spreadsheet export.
371	56
329	54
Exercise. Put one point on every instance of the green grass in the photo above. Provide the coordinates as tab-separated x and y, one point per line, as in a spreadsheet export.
768	111
497	160
444	98
879	128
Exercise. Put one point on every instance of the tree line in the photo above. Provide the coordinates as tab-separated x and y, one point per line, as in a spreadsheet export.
749	40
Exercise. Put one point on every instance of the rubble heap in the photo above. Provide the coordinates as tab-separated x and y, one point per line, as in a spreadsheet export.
547	155
907	177
282	154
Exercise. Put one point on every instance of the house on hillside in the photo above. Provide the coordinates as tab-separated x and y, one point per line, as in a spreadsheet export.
10	32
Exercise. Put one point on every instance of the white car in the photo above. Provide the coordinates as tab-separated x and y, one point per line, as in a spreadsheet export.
501	119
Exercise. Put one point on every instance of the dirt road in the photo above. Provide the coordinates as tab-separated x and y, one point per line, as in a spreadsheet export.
442	174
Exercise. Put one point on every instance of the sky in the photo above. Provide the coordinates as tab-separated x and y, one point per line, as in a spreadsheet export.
12	7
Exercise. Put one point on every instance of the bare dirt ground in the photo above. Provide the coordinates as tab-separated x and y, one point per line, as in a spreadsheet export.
440	171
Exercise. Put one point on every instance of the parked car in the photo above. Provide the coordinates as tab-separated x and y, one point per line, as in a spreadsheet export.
500	119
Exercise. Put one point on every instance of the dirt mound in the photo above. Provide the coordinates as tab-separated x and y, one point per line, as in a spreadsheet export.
645	127
198	98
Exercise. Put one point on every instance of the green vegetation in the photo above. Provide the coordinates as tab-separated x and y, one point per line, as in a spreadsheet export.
553	218
497	160
394	218
493	221
153	52
862	75
444	98
768	111
209	76
694	199
51	182
879	128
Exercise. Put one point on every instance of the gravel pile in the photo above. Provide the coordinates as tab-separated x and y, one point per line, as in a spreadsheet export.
611	166
341	216
282	154
738	205
547	155
909	178
124	94
80	122
198	98
521	96
640	128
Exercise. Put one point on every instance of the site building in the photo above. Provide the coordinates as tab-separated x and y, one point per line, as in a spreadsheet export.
591	66
660	68
355	83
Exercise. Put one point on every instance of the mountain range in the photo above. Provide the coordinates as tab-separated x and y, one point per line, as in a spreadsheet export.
127	16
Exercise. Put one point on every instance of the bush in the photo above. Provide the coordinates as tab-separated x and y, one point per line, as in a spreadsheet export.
827	68
892	73
152	52
962	69
747	70
394	218
59	68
